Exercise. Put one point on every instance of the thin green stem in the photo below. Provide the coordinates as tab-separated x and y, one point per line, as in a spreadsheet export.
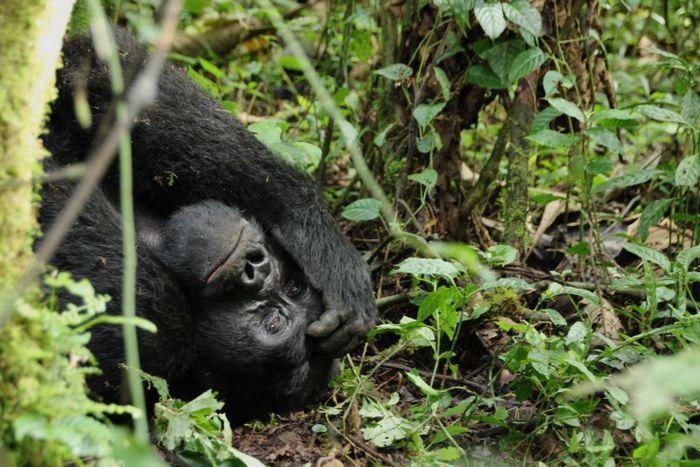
107	49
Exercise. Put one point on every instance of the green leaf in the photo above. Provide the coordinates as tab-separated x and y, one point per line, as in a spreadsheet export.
605	138
552	139
501	55
510	282
395	72
289	62
523	14
662	115
686	258
483	76
649	254
387	431
268	132
444	82
688	171
362	210
557	289
598	166
525	63
551	80
319	428
690	107
556	317
380	139
424	387
651	215
500	255
428	267
425	113
429	142
427	178
448	454
567	108
543	119
625	180
577	333
490	17
615	118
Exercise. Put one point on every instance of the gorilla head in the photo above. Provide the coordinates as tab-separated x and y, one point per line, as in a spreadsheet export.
251	306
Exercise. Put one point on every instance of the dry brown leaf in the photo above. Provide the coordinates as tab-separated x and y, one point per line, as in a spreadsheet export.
605	321
659	235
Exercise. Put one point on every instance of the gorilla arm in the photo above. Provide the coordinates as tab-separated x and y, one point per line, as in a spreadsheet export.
188	149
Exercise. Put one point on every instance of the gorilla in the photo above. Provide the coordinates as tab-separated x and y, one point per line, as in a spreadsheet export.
253	288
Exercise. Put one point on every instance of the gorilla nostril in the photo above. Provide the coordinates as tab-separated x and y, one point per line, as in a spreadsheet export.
256	257
249	271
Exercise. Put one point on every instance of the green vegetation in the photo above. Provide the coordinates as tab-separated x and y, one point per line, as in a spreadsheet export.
536	263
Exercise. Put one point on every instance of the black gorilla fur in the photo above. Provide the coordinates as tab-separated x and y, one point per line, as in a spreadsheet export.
186	150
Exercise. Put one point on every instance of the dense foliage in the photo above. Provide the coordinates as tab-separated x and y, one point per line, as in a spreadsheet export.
536	265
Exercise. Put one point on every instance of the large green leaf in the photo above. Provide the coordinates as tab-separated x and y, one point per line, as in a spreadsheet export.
625	180
427	178
428	267
525	63
362	210
524	15
688	171
605	138
501	56
489	14
425	113
567	108
552	139
395	72
616	118
649	254
651	215
482	75
543	118
662	115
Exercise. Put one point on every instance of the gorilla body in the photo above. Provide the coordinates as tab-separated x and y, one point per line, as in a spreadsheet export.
256	307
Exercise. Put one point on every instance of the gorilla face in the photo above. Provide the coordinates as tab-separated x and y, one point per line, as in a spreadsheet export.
251	305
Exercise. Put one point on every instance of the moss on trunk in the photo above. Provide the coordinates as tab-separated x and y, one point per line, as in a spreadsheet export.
31	33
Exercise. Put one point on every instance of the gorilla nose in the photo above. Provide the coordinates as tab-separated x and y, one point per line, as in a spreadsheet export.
256	269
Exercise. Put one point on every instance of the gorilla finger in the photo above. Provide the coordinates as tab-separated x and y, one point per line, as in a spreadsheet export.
326	324
340	342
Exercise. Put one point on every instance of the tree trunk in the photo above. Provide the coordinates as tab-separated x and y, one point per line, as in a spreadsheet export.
31	33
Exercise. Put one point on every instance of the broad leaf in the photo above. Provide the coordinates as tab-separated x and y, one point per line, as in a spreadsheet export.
523	14
649	254
427	178
651	215
625	180
543	119
552	139
662	115
482	75
362	210
688	171
525	63
428	267
567	108
501	56
490	17
605	138
444	82
395	72
615	118
425	113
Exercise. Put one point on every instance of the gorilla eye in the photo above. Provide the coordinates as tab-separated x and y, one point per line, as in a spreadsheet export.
274	323
295	288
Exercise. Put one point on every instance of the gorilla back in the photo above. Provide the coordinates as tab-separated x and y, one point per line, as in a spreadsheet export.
188	150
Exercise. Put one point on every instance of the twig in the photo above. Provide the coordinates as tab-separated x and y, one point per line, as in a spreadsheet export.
69	172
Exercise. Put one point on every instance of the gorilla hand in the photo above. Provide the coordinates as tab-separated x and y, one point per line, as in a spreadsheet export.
339	329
